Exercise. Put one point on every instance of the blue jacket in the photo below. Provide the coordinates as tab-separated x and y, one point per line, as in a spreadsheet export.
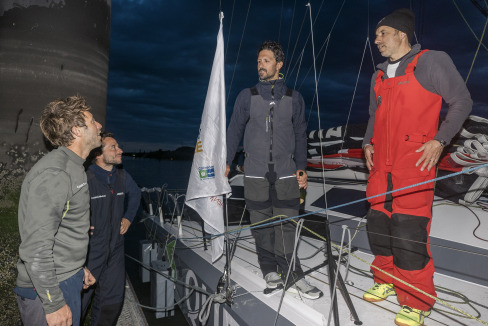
113	195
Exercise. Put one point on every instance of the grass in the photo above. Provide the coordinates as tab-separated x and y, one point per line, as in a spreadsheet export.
9	254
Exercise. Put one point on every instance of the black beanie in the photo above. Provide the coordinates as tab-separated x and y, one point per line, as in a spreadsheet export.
401	19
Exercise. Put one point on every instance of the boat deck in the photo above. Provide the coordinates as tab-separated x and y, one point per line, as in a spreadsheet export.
252	307
458	235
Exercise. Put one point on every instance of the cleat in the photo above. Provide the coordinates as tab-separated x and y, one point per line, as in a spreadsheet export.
411	316
379	292
273	280
305	289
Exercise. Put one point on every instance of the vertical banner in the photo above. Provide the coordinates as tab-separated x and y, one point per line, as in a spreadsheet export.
207	182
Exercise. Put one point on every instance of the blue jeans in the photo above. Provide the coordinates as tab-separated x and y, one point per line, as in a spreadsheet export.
32	313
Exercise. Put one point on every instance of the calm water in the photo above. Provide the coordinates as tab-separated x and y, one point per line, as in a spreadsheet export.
155	173
152	173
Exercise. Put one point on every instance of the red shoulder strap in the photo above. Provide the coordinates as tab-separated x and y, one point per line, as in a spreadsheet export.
411	66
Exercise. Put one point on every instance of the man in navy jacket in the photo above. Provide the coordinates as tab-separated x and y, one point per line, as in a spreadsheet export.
114	200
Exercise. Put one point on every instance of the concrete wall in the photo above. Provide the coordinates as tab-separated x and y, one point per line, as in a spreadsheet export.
48	49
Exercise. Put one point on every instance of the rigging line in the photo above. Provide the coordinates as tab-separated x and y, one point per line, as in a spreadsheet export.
367	27
442	301
472	169
173	279
371	53
439	289
234	244
296	42
230	28
480	8
464	18
325	43
228	251
291	28
336	273
161	308
477	50
238	52
464	299
425	243
291	265
281	19
477	217
399	238
369	41
299	66
354	93
318	110
306	41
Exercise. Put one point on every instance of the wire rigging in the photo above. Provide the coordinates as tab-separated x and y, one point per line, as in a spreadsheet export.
230	28
469	26
238	52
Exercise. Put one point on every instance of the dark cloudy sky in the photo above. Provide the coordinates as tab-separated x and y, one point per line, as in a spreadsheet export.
161	54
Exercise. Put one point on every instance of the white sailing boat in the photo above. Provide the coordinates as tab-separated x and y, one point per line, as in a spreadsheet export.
230	292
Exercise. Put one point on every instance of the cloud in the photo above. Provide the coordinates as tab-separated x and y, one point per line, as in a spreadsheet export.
162	51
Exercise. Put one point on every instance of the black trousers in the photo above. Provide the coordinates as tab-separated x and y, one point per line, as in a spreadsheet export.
265	198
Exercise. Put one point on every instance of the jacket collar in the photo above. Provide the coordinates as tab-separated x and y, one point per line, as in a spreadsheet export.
404	62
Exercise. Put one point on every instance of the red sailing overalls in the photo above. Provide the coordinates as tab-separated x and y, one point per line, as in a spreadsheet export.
407	116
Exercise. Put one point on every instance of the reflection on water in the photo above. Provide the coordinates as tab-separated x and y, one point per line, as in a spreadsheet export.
154	173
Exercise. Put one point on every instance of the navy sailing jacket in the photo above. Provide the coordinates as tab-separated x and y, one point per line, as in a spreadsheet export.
108	192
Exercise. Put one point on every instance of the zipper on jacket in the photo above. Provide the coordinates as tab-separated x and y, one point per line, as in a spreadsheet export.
111	222
271	111
388	145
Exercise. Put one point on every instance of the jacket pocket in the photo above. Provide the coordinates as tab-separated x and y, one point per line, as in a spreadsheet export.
256	189
375	187
414	197
287	188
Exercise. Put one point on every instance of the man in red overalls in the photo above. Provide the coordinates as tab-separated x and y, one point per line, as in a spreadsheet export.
402	144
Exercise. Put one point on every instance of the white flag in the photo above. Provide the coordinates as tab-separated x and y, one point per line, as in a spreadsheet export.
207	182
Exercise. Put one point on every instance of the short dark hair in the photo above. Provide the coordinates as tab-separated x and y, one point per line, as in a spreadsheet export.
274	47
60	116
97	151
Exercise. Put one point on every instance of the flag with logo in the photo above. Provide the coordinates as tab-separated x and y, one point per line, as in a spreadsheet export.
207	182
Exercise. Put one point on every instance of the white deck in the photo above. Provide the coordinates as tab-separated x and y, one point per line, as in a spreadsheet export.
468	297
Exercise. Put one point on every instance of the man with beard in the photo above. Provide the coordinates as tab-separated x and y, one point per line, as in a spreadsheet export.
115	198
271	117
54	218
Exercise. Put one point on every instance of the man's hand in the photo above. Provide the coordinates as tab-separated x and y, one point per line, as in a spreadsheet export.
302	179
91	230
124	225
368	153
431	152
88	279
61	317
227	170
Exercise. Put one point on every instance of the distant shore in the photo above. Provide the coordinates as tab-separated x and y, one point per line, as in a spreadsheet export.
182	153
